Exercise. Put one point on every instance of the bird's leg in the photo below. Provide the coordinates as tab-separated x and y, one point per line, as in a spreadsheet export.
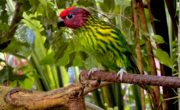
121	72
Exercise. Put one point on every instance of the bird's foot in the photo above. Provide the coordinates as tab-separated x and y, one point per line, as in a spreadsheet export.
121	72
95	83
92	70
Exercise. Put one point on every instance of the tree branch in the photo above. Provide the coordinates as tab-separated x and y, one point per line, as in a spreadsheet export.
71	97
65	97
131	78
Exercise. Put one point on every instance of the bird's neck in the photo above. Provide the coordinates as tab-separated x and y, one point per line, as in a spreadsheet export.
95	22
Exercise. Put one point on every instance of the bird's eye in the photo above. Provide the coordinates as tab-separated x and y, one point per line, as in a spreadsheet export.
69	16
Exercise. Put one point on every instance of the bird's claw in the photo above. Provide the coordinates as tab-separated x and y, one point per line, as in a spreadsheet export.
121	72
92	71
97	82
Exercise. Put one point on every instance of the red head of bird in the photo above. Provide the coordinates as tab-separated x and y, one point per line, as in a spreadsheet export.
73	17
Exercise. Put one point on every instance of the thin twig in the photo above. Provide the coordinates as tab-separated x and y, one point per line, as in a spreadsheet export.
14	23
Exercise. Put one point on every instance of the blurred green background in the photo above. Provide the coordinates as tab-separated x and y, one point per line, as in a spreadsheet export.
42	57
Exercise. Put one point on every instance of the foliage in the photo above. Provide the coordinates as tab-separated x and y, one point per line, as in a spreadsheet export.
49	51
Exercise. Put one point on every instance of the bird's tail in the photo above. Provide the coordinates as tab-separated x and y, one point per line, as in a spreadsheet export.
133	65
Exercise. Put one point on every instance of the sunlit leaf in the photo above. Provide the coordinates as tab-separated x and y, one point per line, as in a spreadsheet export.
65	75
18	48
158	39
48	59
163	57
44	3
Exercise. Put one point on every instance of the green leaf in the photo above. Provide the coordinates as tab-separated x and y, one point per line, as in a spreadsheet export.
86	3
31	22
107	5
64	75
19	49
158	39
3	11
44	3
48	59
163	57
64	60
4	73
78	61
10	75
3	27
28	82
59	43
33	4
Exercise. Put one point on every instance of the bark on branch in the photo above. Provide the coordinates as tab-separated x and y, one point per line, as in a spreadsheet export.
71	97
68	98
173	82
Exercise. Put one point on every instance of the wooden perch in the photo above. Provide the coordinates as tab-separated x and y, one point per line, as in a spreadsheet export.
130	78
71	97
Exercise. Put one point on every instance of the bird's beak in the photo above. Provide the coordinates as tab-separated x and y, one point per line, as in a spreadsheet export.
60	23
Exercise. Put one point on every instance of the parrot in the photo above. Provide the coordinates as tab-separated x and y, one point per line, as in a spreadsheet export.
100	38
